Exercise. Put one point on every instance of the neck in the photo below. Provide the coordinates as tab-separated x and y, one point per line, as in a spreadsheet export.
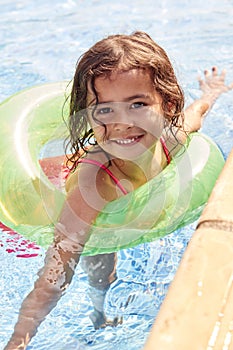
143	168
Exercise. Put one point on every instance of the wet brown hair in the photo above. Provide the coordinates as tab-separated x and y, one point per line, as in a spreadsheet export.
121	53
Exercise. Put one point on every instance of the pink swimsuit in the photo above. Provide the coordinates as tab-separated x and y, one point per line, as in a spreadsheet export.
117	182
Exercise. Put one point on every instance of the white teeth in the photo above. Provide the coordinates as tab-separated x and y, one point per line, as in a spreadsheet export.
125	141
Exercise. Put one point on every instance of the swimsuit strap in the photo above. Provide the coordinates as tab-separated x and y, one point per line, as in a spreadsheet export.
102	166
117	182
165	149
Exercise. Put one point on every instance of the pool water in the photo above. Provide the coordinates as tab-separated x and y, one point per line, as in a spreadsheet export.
144	275
41	42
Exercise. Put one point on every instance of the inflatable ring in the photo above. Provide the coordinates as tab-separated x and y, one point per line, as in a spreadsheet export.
30	203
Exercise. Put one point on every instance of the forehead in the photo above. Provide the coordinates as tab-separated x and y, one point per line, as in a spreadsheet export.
121	84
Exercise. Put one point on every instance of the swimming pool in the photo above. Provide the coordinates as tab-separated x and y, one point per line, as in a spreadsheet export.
41	42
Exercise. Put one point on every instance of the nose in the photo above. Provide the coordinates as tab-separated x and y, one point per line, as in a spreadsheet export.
120	126
123	120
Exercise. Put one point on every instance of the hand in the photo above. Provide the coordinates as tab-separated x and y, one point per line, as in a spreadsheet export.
213	85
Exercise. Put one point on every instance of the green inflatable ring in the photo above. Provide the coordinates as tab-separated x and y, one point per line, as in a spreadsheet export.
30	203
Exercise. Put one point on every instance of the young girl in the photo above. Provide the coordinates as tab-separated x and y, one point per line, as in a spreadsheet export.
125	100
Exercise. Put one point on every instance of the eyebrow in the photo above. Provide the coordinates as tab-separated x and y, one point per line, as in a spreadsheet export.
128	99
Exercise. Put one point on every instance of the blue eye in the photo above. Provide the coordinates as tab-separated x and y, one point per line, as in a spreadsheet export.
136	105
104	110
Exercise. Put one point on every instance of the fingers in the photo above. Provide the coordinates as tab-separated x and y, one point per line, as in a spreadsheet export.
215	73
223	74
214	78
215	70
214	82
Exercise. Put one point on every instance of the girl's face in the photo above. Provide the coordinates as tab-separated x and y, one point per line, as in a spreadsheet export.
128	119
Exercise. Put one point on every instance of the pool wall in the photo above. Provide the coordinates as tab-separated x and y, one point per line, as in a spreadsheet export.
197	312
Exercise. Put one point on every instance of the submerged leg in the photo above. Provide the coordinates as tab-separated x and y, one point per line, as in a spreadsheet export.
101	271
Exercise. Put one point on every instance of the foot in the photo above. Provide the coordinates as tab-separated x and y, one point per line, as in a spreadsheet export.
99	320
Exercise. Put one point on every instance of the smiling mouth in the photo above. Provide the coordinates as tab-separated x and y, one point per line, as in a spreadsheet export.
128	141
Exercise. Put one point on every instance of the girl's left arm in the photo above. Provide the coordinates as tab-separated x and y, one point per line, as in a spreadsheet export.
212	86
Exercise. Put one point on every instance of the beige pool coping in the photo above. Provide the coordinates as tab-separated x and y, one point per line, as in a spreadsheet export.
197	313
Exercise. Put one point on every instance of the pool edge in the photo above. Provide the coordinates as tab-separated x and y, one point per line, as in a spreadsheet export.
196	313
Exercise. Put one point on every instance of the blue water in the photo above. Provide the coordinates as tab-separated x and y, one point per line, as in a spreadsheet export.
41	42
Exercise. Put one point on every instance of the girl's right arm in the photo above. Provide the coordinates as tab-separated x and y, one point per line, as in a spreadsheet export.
71	233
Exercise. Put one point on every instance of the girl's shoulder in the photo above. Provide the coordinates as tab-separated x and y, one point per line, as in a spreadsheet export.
90	173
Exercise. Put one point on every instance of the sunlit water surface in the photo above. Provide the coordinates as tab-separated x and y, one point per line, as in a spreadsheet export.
41	42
